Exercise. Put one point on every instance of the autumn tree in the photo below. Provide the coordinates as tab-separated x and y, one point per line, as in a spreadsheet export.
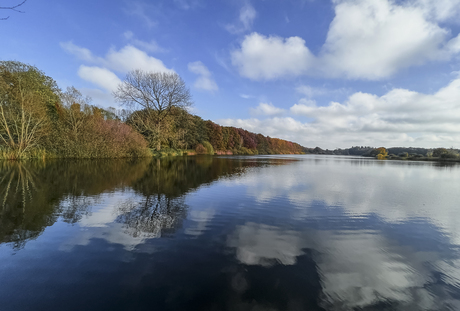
76	110
87	131
28	100
382	153
215	135
152	97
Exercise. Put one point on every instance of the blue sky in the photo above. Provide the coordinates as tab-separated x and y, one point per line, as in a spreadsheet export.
328	73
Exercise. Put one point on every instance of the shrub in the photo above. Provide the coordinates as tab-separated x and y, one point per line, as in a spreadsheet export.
200	149
450	154
403	154
99	138
208	146
445	153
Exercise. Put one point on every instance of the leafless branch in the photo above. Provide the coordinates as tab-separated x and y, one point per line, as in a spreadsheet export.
13	8
156	91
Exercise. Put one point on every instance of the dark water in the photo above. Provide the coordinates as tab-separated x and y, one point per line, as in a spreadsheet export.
236	233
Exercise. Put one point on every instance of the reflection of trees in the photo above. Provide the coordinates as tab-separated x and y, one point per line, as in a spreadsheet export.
23	208
17	182
445	165
33	195
153	215
166	181
73	208
163	185
174	177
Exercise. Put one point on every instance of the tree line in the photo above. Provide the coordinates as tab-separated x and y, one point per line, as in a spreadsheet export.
38	119
402	153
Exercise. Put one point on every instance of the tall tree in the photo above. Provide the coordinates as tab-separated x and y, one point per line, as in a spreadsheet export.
157	91
28	100
75	105
152	96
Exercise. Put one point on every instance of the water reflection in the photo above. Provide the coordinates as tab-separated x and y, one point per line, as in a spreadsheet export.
357	268
34	195
396	192
152	215
201	220
231	233
380	239
20	220
258	244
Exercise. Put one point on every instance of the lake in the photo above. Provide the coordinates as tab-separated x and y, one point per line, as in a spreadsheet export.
230	233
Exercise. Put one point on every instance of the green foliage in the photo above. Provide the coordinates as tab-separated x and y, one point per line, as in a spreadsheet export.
450	154
438	152
444	153
85	131
208	147
28	100
167	152
38	120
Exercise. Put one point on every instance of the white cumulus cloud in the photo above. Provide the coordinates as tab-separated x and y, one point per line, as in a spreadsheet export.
204	80
129	58
366	40
262	57
102	77
375	39
398	118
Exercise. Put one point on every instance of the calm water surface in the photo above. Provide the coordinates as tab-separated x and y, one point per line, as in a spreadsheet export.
230	233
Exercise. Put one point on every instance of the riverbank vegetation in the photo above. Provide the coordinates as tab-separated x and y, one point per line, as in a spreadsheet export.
39	120
395	153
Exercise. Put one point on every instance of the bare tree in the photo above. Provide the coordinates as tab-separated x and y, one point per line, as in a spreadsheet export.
158	91
77	107
152	96
13	8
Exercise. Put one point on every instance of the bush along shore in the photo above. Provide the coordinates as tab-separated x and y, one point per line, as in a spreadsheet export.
39	120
